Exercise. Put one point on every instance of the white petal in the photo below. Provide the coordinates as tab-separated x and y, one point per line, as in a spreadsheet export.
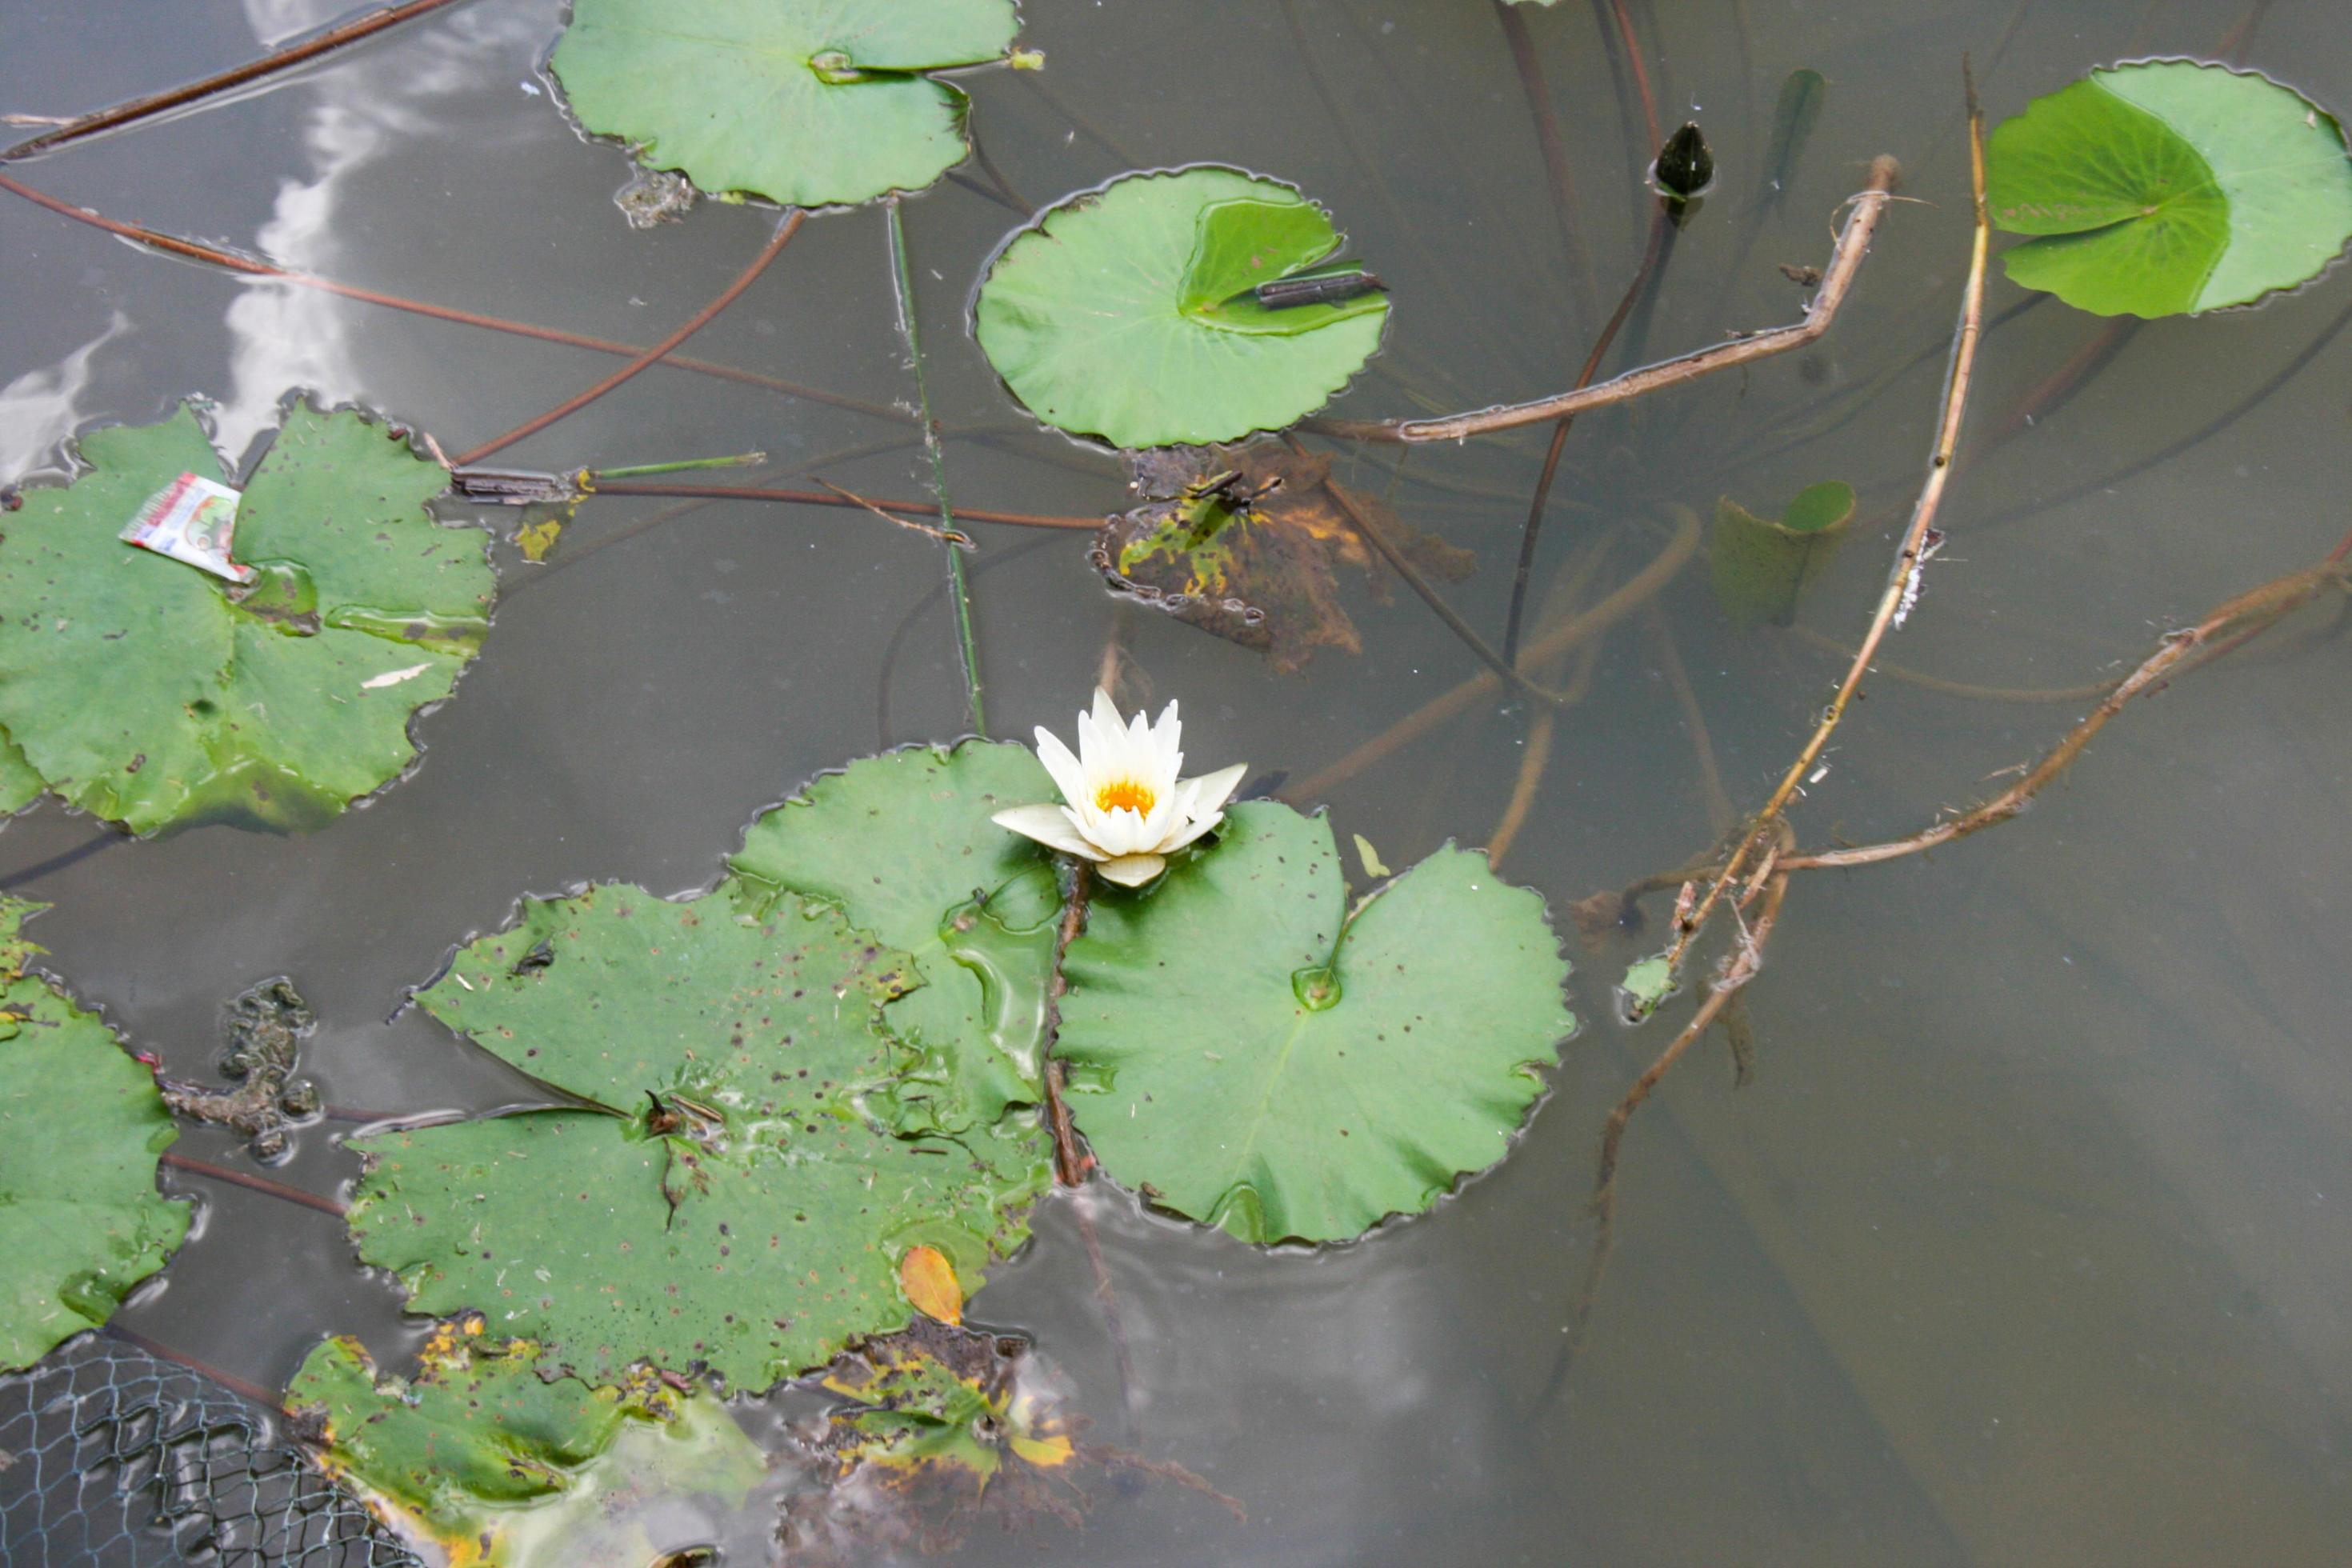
1190	831
1167	814
1132	870
1049	825
1121	833
1105	713
1214	789
1069	776
1169	733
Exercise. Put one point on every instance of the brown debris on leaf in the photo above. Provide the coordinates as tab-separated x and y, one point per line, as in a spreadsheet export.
1247	541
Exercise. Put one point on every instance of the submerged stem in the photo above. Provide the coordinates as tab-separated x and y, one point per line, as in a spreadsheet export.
959	591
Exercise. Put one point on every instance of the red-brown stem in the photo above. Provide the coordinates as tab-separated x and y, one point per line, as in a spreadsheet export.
785	229
821	497
212	256
1641	73
211	1172
267	1398
1538	92
1071	1164
292	54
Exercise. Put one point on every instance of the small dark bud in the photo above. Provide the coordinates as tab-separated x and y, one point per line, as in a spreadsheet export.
1686	164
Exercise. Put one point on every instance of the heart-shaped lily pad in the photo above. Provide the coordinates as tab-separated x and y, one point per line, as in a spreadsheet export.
80	1125
804	102
731	1196
2169	186
1131	313
502	1468
1248	1051
145	691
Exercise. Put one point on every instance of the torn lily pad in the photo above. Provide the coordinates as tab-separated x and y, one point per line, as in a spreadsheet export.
81	1126
2167	186
1761	565
1131	313
1247	1049
729	1194
498	1468
804	102
146	692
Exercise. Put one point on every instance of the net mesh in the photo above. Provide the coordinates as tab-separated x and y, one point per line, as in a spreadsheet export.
111	1458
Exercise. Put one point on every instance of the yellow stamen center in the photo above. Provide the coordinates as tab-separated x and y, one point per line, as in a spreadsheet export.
1131	793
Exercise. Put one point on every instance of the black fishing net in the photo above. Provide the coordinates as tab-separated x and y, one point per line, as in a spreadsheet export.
112	1458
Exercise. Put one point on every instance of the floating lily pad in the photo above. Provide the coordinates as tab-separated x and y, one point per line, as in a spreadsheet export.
149	692
1127	312
19	784
804	102
1762	564
903	846
1246	542
1248	1052
729	1199
501	1468
81	1126
2169	186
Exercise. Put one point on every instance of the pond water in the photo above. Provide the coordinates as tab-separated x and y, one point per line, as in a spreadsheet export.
2030	1240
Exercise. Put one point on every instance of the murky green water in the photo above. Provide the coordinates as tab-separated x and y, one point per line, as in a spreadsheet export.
2031	1240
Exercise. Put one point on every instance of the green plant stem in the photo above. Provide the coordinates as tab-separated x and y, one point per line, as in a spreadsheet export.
740	461
825	497
959	591
292	54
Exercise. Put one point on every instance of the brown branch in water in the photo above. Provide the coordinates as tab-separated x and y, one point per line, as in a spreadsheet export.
1837	282
1902	577
1071	1163
1739	967
2226	627
1554	146
213	256
211	1172
787	227
820	497
292	54
1637	591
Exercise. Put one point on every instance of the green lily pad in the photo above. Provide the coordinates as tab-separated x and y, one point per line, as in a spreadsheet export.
501	1468
804	102
729	1197
1249	1052
2169	186
147	692
19	784
1128	313
1645	987
80	1125
1762	565
902	845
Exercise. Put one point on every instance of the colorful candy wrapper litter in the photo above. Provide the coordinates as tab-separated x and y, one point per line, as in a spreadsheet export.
191	520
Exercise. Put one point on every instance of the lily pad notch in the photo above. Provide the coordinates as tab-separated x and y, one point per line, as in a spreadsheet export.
147	692
2160	187
1247	1048
1133	312
802	103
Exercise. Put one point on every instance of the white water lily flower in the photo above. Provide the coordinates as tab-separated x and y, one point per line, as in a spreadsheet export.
1127	811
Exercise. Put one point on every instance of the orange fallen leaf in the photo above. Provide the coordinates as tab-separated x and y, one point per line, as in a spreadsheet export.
930	1281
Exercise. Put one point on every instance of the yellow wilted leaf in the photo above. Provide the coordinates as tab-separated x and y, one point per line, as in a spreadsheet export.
537	539
930	1281
1045	1453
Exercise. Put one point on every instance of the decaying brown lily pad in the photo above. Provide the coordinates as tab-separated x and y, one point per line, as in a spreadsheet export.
1247	541
938	1426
